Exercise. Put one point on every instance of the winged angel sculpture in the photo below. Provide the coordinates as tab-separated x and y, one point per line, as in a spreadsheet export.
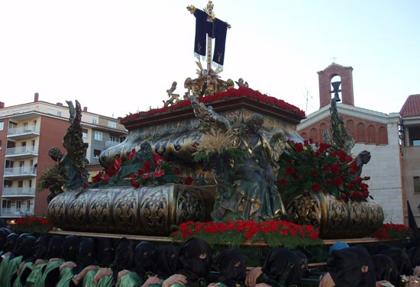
243	157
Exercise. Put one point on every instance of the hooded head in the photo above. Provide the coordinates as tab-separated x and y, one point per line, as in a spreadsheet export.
11	239
41	247
54	247
352	267
385	269
123	255
167	260
3	236
104	251
231	266
281	267
86	254
145	258
70	248
400	258
195	258
25	245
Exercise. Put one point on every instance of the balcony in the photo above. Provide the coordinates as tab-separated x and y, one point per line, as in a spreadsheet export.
19	172
15	212
23	132
18	192
22	152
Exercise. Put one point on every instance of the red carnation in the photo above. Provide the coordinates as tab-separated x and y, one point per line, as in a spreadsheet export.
338	181
157	159
131	154
316	187
146	166
159	172
298	147
290	170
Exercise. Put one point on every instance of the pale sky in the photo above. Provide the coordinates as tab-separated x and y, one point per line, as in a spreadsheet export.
121	56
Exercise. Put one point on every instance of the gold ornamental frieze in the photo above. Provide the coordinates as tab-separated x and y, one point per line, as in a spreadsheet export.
336	218
146	211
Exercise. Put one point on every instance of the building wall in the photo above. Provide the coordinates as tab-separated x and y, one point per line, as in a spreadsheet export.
411	167
384	168
363	131
52	133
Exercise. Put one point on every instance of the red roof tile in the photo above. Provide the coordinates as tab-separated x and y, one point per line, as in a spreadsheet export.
411	107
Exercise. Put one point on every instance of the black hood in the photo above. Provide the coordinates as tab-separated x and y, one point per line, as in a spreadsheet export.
41	247
71	248
4	232
231	266
167	260
25	245
11	240
281	267
104	251
345	267
145	258
86	254
195	258
54	247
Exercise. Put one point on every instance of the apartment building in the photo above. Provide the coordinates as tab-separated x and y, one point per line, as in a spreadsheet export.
27	132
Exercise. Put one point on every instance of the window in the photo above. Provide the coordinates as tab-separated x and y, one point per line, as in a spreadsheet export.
97	135
20	183
84	134
94	120
18	204
7	183
96	152
112	124
59	113
416	180
6	204
28	205
12	125
33	143
30	183
1	125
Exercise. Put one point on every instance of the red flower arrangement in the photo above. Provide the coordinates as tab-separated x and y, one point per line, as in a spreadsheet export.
392	231
272	232
306	168
230	93
30	224
139	168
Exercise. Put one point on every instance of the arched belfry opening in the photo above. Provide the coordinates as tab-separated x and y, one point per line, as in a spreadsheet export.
336	81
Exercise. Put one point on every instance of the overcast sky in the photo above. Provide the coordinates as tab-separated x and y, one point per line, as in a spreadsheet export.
121	56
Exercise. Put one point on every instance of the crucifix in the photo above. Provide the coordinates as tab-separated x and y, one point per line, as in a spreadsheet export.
209	30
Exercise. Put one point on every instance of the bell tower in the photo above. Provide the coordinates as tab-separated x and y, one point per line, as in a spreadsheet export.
336	78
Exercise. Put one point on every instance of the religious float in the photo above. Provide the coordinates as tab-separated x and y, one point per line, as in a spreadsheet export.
222	156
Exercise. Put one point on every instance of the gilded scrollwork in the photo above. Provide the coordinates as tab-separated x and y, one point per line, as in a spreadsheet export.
154	213
148	210
336	218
